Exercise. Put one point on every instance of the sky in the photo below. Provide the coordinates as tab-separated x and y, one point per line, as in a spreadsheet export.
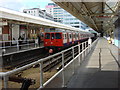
19	5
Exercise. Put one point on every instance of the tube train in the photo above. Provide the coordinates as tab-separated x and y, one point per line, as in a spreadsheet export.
59	40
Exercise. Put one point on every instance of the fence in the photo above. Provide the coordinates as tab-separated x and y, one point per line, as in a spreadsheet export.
76	61
17	45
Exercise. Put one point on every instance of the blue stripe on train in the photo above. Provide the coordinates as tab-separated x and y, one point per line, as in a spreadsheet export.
66	44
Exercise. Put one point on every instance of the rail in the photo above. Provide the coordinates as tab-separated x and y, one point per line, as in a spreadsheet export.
17	45
85	50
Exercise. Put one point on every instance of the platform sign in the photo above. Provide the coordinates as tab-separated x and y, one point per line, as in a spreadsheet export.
102	18
3	23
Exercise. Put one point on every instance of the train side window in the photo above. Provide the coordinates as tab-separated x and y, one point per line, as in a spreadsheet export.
70	35
58	36
65	36
47	36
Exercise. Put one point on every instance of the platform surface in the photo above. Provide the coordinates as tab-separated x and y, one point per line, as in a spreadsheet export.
100	68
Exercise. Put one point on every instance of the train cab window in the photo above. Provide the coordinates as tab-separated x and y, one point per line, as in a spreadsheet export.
52	36
47	36
58	36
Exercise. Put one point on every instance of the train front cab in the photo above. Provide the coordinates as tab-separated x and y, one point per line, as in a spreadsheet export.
53	40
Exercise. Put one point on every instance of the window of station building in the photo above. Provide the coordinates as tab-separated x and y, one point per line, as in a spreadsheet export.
29	11
76	23
76	26
71	18
47	36
31	30
71	23
58	36
57	8
25	11
34	31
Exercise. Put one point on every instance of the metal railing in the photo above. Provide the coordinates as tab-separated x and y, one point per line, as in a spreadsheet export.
17	45
85	50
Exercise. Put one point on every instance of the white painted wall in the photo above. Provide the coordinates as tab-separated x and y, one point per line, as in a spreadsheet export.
15	32
5	37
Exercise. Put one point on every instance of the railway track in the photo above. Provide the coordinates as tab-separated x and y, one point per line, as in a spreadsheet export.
48	64
57	60
26	61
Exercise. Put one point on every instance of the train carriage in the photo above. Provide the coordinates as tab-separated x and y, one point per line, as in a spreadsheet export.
60	40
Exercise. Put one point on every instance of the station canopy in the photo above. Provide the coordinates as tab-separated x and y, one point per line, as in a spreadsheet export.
97	14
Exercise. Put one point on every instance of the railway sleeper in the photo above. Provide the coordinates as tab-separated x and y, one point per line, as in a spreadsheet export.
50	66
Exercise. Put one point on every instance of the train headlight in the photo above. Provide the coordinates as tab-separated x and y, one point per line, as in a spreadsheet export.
45	42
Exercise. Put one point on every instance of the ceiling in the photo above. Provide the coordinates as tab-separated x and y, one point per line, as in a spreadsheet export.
98	15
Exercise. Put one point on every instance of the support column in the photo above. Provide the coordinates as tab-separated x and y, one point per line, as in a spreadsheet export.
1	59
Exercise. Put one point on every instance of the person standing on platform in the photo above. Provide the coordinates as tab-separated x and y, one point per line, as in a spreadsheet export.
20	42
39	40
89	42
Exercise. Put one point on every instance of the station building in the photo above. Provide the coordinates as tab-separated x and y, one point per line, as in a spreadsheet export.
62	16
39	13
13	31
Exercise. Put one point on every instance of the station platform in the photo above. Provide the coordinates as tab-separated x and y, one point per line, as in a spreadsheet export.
99	69
12	56
13	50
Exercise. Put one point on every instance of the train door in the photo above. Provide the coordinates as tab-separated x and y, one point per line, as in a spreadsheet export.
58	39
73	37
47	40
70	37
79	36
67	38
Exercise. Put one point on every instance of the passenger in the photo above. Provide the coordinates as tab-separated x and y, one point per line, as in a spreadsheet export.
14	42
20	42
39	40
89	41
112	41
109	40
